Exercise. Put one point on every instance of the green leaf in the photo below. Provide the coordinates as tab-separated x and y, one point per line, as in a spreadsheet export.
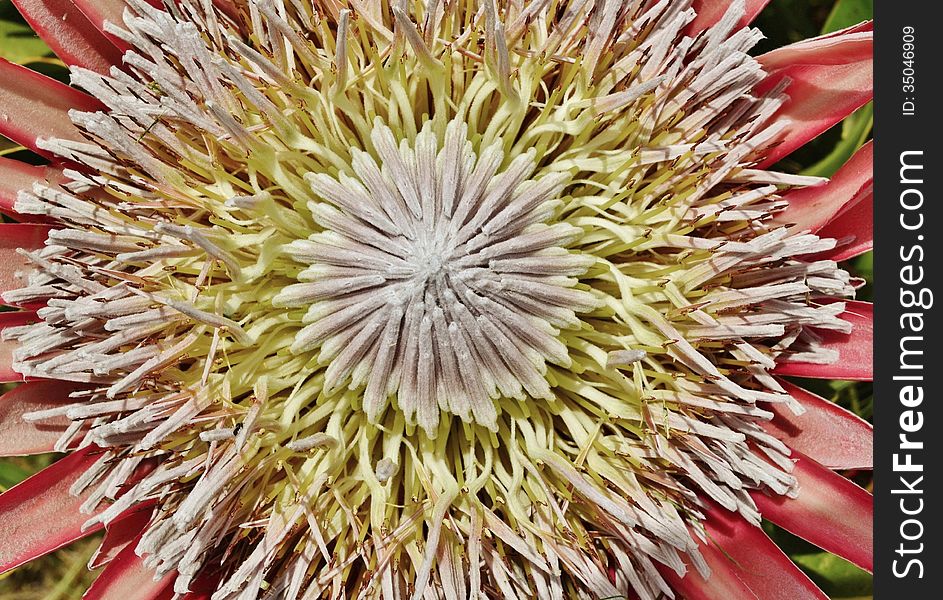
11	474
836	576
19	44
864	266
846	13
856	127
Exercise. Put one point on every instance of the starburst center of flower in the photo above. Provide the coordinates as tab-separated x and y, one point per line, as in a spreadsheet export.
439	278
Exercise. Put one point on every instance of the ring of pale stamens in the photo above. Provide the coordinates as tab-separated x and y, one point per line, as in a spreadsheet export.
437	278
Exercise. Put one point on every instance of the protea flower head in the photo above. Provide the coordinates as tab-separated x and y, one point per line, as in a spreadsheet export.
445	299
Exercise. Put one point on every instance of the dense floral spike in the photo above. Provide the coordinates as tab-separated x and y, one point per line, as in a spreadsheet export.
425	299
443	288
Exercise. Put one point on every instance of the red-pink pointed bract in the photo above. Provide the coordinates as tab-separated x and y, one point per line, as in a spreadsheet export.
35	107
41	513
838	354
69	32
20	435
813	208
745	564
810	515
824	431
15	268
828	78
431	299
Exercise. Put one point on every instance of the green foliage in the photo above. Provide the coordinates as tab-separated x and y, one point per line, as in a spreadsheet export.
846	13
837	577
788	21
11	474
16	469
18	43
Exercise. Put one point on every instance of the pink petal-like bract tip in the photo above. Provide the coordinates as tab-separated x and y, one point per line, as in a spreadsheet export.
21	435
70	34
34	107
710	12
855	350
14	266
813	515
40	515
826	432
745	565
9	320
829	78
126	577
812	208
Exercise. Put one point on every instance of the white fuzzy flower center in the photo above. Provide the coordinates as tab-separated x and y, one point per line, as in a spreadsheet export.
438	279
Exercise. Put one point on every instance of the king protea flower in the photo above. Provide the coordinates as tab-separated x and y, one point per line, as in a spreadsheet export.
438	299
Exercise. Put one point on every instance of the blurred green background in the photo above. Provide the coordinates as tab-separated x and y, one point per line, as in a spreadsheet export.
63	575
